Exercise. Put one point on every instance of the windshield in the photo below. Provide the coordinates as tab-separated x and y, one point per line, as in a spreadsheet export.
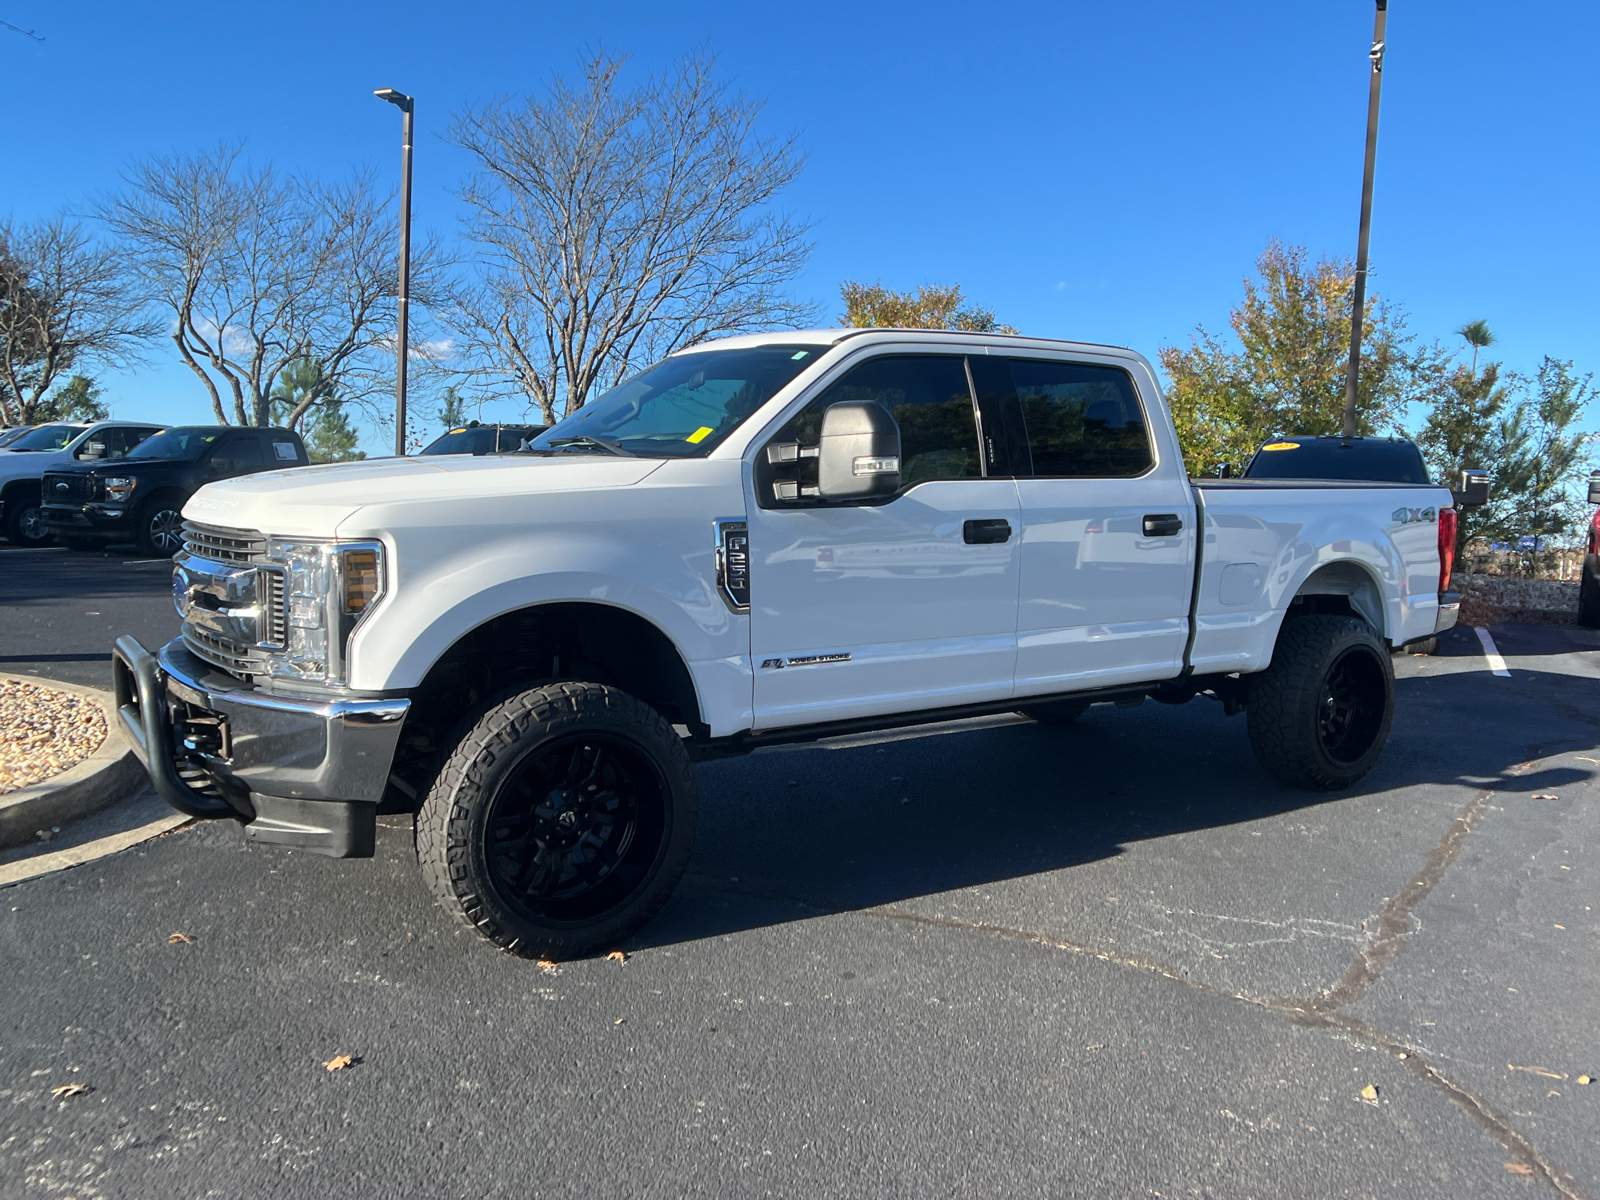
480	439
683	407
1377	460
11	435
178	445
46	437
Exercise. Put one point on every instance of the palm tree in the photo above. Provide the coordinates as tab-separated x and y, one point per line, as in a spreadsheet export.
1476	334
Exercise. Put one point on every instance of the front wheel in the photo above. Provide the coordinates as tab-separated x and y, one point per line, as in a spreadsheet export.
160	529
561	822
1589	593
25	525
1320	714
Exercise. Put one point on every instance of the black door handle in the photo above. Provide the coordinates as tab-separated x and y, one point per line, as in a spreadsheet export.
1162	525
987	532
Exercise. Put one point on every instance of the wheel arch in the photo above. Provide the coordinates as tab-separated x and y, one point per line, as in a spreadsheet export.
1345	586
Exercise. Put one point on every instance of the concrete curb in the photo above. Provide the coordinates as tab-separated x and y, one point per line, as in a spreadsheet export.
99	781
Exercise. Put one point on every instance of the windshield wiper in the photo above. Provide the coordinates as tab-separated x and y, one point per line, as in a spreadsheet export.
604	443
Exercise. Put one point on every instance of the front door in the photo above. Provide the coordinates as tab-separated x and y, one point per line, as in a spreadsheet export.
867	608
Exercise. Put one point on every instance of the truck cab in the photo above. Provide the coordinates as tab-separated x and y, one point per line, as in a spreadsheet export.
52	446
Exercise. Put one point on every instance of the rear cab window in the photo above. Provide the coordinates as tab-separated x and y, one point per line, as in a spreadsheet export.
1377	460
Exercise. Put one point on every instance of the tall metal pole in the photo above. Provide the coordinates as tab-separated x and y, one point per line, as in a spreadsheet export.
1359	300
407	105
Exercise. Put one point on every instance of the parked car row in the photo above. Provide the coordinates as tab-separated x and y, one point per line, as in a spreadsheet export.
89	484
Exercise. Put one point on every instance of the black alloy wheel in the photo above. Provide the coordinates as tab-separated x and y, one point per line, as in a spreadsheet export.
1319	715
561	821
1351	707
575	827
161	530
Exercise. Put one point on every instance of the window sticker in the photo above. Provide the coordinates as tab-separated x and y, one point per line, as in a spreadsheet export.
699	435
1281	446
286	451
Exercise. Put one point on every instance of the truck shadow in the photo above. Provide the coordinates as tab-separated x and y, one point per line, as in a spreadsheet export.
851	824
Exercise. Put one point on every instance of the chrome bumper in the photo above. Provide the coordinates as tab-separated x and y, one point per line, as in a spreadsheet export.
298	772
1449	611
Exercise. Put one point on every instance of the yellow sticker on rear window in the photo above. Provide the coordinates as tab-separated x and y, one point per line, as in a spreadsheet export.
1281	446
699	435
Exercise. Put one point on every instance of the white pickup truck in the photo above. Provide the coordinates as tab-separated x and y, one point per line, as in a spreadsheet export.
759	540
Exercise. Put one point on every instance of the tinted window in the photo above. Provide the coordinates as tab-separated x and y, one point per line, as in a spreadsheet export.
120	440
181	445
464	441
245	452
1082	421
686	405
46	437
1376	459
927	396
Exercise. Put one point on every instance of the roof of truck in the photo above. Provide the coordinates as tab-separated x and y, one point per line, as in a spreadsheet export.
830	337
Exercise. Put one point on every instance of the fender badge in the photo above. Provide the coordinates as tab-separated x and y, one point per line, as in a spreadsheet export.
803	660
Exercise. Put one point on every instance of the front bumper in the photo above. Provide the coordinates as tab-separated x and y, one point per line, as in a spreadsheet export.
88	519
297	772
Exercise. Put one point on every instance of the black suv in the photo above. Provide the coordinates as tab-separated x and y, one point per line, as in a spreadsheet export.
473	438
140	497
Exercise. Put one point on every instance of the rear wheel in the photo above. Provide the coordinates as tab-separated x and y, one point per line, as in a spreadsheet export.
160	528
1320	714
561	822
1056	712
1589	593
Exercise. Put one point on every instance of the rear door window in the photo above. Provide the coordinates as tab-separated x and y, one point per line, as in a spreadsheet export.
1083	420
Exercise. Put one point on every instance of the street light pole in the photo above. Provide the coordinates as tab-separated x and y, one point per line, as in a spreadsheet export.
1360	299
406	104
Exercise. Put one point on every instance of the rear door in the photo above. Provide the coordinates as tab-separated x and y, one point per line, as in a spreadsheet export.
864	608
1107	552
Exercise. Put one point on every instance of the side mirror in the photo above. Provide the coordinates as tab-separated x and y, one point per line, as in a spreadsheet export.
1594	488
859	452
1224	470
1474	487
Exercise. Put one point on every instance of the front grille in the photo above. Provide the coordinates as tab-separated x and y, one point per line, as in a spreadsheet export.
237	546
69	489
231	657
224	545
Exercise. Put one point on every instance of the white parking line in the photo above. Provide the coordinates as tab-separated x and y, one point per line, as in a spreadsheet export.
1491	652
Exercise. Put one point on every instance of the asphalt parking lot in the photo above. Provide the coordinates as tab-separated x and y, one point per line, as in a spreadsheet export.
987	958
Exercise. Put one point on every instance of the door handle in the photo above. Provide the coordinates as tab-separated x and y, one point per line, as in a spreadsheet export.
1162	525
986	532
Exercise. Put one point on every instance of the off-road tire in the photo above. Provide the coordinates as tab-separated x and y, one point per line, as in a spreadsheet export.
455	840
1320	714
1056	712
1589	592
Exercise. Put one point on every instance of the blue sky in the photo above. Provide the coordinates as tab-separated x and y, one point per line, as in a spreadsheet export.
1090	171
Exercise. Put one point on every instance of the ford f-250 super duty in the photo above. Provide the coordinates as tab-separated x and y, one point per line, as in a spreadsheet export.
759	540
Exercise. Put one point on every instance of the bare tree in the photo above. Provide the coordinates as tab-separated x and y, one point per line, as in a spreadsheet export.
260	274
613	226
65	302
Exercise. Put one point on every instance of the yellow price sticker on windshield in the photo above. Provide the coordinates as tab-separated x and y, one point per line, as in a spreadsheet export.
1281	446
699	435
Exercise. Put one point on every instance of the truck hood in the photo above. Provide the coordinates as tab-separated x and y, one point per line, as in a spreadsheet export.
30	464
312	501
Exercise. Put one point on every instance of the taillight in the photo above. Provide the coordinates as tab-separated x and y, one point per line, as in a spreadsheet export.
1447	546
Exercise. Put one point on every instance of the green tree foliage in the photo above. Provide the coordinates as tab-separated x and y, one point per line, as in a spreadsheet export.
1287	375
1476	334
452	410
78	399
936	306
302	391
1523	433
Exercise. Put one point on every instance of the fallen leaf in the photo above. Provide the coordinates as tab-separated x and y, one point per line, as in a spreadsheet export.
617	956
619	1020
70	1089
1585	1080
1402	1056
1545	796
1519	1168
180	937
548	965
1551	1092
1536	1071
1369	1094
339	1062
1553	923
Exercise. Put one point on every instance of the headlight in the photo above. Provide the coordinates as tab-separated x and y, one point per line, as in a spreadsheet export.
118	488
327	588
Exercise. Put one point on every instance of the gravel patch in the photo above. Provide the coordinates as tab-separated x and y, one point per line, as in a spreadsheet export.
44	732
